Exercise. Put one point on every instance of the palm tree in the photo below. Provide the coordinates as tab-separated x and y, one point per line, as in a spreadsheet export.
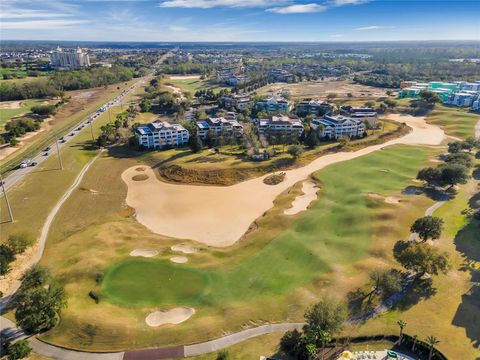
402	325
324	338
432	341
415	338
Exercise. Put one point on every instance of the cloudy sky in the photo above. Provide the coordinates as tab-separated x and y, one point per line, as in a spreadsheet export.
239	20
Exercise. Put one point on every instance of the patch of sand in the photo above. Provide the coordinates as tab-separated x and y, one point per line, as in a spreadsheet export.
301	202
4	105
172	316
184	77
186	249
144	253
220	215
392	200
141	168
179	259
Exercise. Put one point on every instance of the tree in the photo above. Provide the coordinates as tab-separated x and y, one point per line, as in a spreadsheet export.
195	143
428	227
295	151
223	355
402	324
327	315
6	257
18	350
324	338
343	141
432	341
470	143
145	105
422	259
384	282
455	147
44	110
429	97
40	310
291	343
312	139
18	243
430	175
453	174
462	158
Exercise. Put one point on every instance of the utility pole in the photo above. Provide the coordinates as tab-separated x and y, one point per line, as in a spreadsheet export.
58	154
6	199
91	131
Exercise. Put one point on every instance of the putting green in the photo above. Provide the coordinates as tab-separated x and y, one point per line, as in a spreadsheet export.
336	230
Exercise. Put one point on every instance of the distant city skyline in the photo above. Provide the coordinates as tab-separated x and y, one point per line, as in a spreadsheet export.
239	20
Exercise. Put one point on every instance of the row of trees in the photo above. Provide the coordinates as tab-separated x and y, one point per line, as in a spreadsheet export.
16	244
55	84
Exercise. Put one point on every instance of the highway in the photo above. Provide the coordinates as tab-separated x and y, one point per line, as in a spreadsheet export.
84	125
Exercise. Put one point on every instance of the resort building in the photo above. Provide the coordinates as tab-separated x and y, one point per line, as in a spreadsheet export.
161	135
237	80
277	124
273	104
312	106
335	127
219	126
280	75
365	114
463	98
69	59
239	102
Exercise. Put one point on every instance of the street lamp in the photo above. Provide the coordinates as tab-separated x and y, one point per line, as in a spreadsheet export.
58	154
10	213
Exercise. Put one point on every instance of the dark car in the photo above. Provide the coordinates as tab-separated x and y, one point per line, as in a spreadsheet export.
45	153
33	163
47	148
62	141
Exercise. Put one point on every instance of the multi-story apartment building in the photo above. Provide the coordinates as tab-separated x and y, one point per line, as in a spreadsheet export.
237	80
239	102
278	124
361	113
69	59
463	98
161	135
280	75
312	106
273	104
335	127
219	126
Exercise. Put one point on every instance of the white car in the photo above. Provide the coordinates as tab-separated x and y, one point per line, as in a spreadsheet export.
25	163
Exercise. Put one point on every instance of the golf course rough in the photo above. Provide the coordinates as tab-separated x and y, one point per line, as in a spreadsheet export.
335	230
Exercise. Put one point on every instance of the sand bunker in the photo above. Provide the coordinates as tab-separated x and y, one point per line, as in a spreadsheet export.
392	200
184	77
173	316
144	253
186	249
179	259
10	105
220	215
302	202
141	168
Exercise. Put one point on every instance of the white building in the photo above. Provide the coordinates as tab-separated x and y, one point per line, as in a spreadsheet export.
335	127
69	59
239	102
463	98
312	106
278	124
274	104
363	114
220	127
161	135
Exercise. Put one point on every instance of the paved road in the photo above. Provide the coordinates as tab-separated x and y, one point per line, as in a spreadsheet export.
20	173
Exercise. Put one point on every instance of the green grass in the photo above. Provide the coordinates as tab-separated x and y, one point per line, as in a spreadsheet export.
454	122
336	230
26	105
192	85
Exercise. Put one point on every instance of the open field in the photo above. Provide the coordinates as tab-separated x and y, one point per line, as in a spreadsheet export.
319	88
456	123
17	108
191	84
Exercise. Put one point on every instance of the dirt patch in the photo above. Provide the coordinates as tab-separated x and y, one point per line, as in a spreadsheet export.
392	200
179	259
144	253
274	179
91	191
141	177
186	249
184	77
302	202
4	105
173	316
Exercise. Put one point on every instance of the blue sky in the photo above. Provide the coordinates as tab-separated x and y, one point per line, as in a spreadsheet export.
239	20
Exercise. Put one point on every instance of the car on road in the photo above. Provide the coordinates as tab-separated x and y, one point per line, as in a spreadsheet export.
47	148
25	163
33	163
45	153
62	141
71	134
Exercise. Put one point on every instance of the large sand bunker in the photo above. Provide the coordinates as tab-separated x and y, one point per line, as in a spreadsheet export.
144	253
173	316
179	259
186	249
220	215
302	202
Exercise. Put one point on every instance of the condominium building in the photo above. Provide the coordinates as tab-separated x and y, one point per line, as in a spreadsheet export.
219	126
69	59
273	104
312	106
239	102
463	98
280	75
335	127
278	124
237	80
362	114
161	135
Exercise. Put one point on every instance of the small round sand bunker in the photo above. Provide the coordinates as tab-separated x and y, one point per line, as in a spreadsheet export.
140	177
144	253
392	200
179	259
141	168
172	316
186	249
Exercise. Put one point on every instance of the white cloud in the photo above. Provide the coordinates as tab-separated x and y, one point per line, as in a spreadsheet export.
373	27
349	2
298	9
12	13
337	35
177	28
208	4
41	24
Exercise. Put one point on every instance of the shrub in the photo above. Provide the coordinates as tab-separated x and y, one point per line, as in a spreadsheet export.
44	110
6	257
223	355
18	243
94	296
19	350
